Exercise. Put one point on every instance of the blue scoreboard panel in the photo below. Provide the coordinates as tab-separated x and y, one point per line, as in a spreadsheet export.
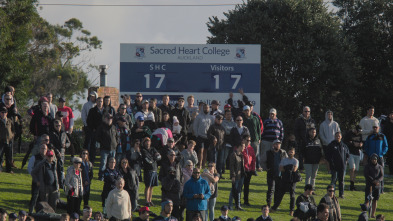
209	72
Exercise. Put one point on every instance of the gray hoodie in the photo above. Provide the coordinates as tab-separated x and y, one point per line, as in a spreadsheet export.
328	129
202	123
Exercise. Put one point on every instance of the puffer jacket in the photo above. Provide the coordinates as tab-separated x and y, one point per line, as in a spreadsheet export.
74	181
236	166
6	131
312	152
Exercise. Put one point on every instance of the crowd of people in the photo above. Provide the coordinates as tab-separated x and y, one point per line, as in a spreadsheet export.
189	149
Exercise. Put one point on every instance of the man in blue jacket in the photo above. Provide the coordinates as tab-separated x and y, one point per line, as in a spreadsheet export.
197	192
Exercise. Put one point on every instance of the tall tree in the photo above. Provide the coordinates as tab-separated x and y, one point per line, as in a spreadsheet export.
367	25
303	60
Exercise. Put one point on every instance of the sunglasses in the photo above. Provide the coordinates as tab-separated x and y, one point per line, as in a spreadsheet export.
331	191
84	153
138	96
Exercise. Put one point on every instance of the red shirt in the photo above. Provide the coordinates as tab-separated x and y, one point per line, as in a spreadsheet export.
249	158
67	115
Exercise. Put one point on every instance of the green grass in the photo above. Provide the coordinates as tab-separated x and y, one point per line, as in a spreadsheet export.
15	194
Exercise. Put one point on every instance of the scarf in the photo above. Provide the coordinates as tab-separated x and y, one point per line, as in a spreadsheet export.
128	142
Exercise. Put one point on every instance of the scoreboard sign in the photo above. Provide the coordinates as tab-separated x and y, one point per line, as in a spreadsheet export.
209	72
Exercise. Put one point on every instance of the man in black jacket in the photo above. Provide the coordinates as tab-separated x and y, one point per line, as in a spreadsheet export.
171	190
373	172
216	132
108	138
302	124
273	158
337	154
184	118
94	120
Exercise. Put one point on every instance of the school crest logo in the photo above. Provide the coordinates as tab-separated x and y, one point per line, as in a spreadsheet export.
140	52
240	53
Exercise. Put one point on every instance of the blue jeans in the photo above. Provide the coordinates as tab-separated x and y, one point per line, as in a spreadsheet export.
338	175
105	154
237	190
211	203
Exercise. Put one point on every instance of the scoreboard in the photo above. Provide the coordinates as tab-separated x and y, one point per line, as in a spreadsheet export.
209	72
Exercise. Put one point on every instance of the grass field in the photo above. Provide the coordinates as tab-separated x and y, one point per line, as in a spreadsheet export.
15	194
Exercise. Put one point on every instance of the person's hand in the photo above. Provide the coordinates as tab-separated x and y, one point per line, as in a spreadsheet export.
230	95
214	141
196	196
63	145
376	183
241	91
201	196
70	130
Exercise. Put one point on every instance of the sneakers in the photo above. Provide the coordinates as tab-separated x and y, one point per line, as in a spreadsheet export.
239	208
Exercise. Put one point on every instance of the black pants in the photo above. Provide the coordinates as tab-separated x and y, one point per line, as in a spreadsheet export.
34	196
191	213
74	204
86	195
6	150
285	187
273	186
246	186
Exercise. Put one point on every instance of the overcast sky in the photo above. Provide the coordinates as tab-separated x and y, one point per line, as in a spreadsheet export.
131	24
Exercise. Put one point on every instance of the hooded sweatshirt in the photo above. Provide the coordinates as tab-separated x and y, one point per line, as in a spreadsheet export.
328	129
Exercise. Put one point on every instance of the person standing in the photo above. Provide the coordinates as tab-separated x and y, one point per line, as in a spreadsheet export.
288	166
122	113
216	132
7	132
150	157
131	182
228	124
212	178
214	108
184	118
249	167
94	121
238	132
139	131
52	107
201	125
41	122
147	115
237	173
328	129
331	200
367	123
373	173
322	212
353	139
157	112
302	124
68	121
197	192
108	138
273	159
166	106
34	160
171	187
273	130
337	154
59	139
108	106
74	186
312	156
254	127
111	174
91	102
87	176
118	204
45	176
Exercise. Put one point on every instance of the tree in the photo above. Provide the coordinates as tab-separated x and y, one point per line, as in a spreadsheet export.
367	25
304	61
37	57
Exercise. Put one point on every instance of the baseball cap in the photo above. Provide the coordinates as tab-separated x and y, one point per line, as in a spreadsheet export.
3	109
141	118
77	160
49	153
219	116
246	107
62	99
180	98
13	216
143	209
145	101
273	110
171	140
22	213
227	106
276	141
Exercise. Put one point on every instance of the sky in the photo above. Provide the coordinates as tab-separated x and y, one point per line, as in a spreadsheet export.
136	24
